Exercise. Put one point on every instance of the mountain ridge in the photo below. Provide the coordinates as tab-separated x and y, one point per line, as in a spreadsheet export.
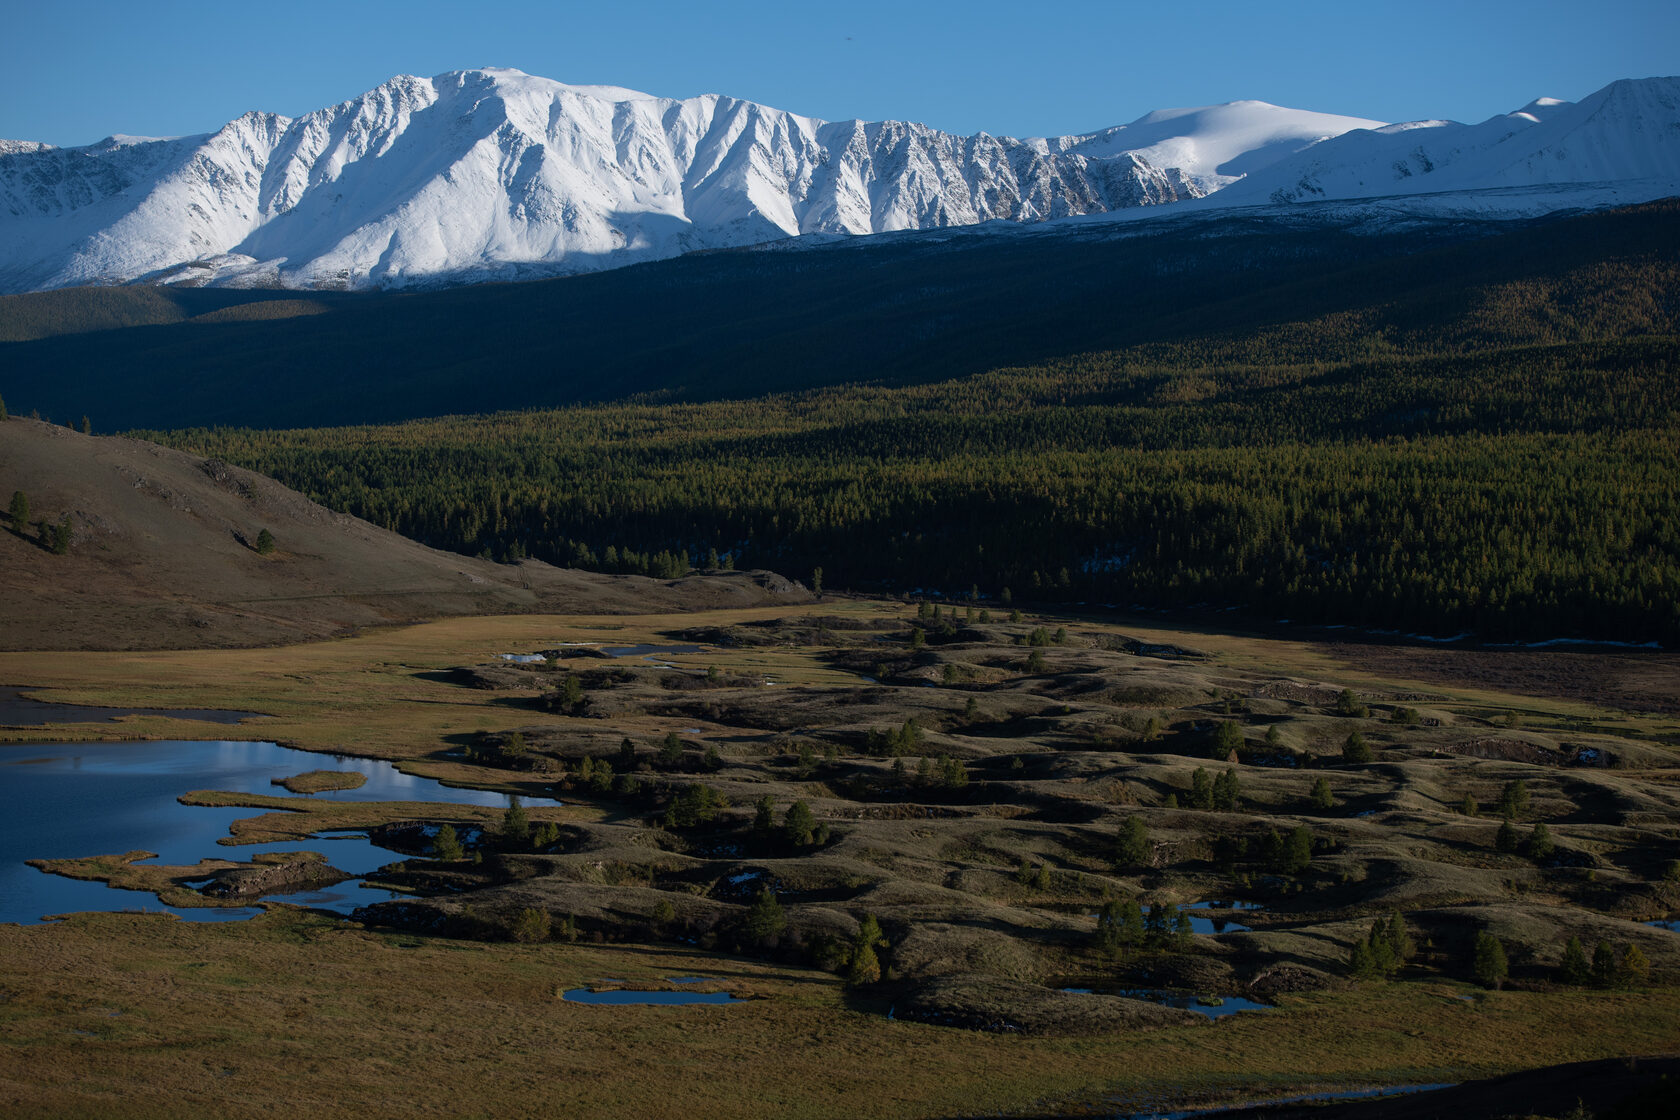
494	174
502	175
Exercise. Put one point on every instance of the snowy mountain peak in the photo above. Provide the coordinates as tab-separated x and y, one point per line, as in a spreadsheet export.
495	173
1625	139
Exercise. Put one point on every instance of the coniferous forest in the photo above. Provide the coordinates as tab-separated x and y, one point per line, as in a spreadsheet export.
1498	458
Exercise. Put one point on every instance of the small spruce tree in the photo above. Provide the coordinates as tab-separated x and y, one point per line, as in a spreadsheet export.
1574	969
532	926
864	966
799	823
19	510
1488	963
265	543
447	846
1132	847
1603	965
1322	799
516	825
765	918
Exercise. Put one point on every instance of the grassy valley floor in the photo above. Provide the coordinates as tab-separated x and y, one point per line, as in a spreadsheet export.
1064	729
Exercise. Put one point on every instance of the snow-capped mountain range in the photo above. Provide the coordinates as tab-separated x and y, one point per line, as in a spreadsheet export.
496	174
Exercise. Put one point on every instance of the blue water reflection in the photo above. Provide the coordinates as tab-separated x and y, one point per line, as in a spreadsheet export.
64	801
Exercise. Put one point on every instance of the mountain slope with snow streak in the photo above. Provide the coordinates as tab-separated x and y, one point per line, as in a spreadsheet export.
1627	133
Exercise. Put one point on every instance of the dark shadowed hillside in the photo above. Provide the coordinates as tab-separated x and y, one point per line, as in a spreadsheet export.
896	310
163	551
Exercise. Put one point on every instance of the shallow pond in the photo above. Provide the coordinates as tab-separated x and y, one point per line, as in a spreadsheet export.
620	997
1208	916
1667	923
1214	1007
63	801
648	650
18	710
1267	1106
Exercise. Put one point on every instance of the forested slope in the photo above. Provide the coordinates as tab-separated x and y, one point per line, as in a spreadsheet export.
1488	448
900	310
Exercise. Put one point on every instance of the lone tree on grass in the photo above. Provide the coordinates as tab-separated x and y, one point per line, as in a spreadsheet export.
1120	926
1513	799
61	536
1489	964
864	966
1131	849
1355	749
516	824
265	543
800	823
1322	799
1227	737
765	918
1574	968
532	926
20	510
447	846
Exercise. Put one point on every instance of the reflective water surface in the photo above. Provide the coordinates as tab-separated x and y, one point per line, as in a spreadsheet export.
69	800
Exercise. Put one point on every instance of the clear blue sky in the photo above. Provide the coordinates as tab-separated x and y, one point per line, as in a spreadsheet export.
78	70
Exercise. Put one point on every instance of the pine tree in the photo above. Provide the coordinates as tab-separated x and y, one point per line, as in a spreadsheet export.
19	510
765	917
1322	799
1132	847
265	543
1634	969
799	823
865	966
570	698
447	846
1513	799
1227	791
1574	969
1489	965
532	926
1201	789
1539	844
1297	851
1603	965
1355	749
61	536
1227	737
516	825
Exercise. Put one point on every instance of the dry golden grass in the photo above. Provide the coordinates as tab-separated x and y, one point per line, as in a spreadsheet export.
292	1014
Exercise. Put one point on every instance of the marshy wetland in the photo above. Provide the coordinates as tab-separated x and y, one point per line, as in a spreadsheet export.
898	839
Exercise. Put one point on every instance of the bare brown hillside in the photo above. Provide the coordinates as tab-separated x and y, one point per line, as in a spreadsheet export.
163	554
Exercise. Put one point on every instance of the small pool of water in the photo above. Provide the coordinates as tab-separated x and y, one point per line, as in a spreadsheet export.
1667	923
1270	1103
1209	916
648	650
619	997
1214	1007
1215	904
20	711
65	801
